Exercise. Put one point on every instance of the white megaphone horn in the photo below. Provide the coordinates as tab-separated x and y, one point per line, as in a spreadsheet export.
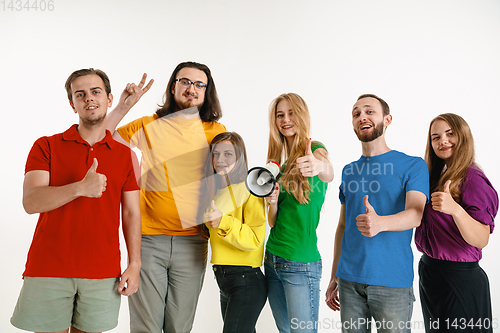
261	181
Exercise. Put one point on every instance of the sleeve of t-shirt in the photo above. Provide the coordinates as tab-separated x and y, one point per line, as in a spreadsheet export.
341	188
479	198
127	131
316	144
222	128
213	130
247	234
39	156
418	177
132	177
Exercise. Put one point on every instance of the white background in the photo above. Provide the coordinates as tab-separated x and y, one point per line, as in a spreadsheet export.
423	57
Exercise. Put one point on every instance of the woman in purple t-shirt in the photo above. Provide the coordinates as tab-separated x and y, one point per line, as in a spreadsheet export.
456	225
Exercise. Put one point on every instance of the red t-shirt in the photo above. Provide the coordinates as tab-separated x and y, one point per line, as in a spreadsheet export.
80	239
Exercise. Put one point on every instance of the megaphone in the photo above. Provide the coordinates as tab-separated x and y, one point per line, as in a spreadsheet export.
261	181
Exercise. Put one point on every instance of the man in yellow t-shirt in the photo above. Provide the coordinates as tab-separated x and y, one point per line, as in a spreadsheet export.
174	144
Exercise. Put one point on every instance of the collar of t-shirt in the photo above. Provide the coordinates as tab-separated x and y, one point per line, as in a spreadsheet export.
72	135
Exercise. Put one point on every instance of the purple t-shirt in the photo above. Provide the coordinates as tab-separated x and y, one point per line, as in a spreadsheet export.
438	235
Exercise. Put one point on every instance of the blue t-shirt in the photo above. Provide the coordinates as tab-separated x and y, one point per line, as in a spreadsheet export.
385	259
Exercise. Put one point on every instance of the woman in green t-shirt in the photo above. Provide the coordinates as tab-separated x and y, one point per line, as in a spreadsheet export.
292	260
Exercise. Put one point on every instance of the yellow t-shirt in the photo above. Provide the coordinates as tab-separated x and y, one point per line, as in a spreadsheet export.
174	151
239	239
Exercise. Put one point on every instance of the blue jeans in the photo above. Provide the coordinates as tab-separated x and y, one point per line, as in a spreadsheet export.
243	294
391	308
293	293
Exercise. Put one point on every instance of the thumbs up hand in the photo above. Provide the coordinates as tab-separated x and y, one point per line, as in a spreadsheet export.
93	184
443	201
213	218
308	164
369	224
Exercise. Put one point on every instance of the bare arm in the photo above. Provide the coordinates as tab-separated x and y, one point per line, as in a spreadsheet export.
272	206
129	97
118	137
326	173
332	297
473	232
317	163
40	197
131	223
370	224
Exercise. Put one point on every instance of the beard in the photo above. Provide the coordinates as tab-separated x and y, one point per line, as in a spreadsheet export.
378	130
93	122
183	105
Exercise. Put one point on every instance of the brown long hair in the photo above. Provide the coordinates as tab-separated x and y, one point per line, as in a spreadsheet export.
210	109
212	181
463	156
279	151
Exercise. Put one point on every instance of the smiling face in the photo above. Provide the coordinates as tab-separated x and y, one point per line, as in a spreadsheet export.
368	119
187	97
89	99
443	140
224	157
285	119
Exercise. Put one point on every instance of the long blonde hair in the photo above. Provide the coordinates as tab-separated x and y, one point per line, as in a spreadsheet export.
463	156
279	151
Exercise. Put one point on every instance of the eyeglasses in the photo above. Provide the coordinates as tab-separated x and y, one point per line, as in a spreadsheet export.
187	83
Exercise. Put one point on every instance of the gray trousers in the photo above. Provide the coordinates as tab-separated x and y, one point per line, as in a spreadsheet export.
172	272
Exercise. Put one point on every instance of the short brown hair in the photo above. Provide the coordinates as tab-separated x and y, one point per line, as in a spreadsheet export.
385	106
85	72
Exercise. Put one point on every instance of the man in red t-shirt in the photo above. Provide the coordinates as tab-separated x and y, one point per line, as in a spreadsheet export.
78	180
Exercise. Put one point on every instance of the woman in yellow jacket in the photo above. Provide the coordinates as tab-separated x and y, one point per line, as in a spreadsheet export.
236	222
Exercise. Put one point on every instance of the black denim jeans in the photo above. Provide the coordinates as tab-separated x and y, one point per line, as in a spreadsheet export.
243	294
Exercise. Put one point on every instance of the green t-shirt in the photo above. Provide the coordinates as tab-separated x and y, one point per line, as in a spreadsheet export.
293	237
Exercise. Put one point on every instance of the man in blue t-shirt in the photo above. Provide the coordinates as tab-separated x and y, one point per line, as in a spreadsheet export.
383	196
